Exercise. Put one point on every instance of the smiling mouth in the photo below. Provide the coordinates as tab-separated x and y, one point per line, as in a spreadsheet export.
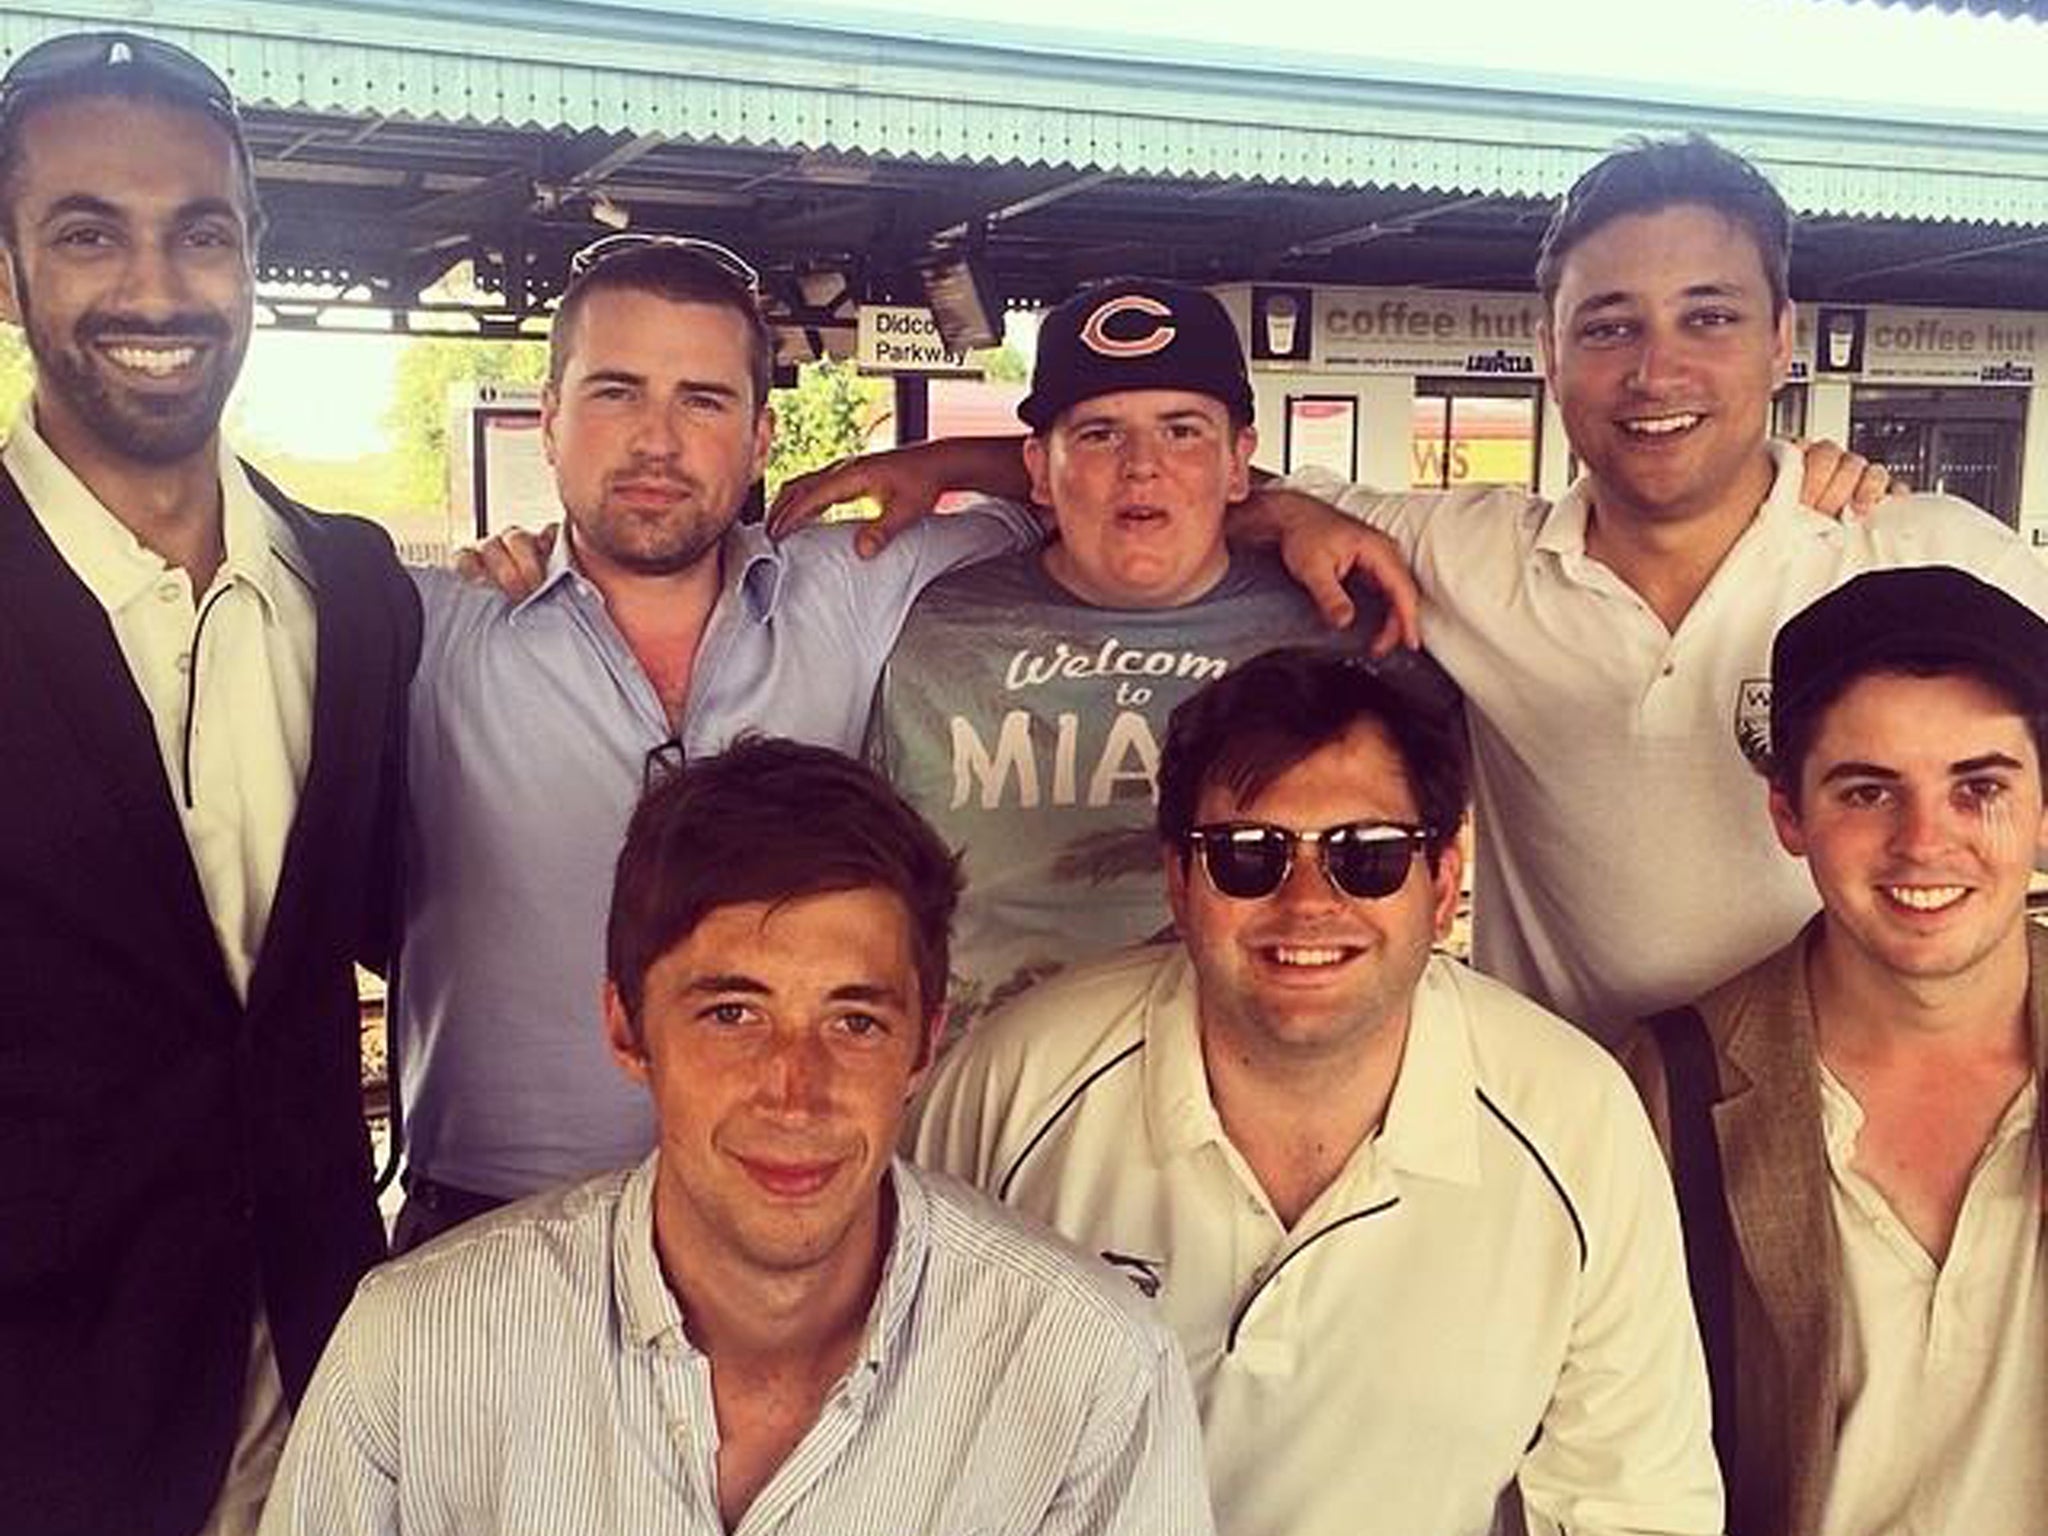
1308	957
1925	898
151	360
789	1181
1672	424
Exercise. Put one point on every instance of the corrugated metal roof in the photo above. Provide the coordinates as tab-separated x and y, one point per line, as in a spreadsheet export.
717	78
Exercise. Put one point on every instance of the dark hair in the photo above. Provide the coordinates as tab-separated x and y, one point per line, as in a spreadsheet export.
1647	175
1794	728
124	85
1260	719
681	276
772	820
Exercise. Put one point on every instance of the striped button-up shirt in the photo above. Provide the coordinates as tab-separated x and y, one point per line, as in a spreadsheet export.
533	1373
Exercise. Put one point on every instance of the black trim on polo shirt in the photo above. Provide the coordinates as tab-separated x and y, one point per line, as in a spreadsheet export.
1244	1307
1528	1146
1080	1088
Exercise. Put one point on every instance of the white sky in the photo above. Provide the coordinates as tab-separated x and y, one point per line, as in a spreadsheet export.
1796	54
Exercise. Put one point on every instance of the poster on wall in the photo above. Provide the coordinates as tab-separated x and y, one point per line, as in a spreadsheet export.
1322	433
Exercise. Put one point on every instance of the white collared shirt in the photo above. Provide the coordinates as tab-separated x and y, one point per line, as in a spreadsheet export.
1624	859
226	675
1944	1400
531	1373
1492	1291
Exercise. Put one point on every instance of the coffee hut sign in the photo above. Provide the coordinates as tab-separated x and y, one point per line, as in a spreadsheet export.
1439	332
1882	345
1396	330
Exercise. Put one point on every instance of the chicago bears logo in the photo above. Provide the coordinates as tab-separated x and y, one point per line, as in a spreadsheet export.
1753	721
1155	336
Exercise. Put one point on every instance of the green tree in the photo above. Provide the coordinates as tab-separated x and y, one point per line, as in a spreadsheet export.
827	416
418	417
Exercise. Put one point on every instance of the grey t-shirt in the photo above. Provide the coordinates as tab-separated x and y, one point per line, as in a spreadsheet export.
1025	725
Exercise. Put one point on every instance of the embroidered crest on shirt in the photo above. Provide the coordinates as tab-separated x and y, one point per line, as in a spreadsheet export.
1753	721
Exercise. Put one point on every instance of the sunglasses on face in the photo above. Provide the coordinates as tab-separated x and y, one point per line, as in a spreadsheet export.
727	263
1247	860
76	54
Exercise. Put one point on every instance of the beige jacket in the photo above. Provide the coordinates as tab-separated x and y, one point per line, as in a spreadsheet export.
1788	1269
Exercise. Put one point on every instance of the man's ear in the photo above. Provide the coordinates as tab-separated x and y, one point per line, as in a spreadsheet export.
764	439
1785	821
10	300
1037	466
1245	443
1174	864
1445	886
1781	346
550	407
626	1046
934	1036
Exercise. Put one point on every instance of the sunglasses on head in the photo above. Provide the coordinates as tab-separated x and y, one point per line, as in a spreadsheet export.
76	54
728	263
1250	859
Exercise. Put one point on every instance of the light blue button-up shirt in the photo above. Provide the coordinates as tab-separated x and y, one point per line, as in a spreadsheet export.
532	1372
531	725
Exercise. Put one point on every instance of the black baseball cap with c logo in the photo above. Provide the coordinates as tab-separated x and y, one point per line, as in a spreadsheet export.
1136	333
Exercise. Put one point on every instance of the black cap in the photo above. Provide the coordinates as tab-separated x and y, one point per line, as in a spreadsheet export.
1924	613
1136	333
77	63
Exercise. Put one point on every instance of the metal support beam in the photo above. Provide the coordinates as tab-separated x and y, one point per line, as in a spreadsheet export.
1379	229
1944	259
1025	205
606	165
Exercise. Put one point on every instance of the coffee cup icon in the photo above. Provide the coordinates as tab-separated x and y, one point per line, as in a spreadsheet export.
1839	337
1283	314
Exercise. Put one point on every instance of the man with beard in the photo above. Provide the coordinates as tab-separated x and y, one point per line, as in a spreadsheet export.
184	879
660	623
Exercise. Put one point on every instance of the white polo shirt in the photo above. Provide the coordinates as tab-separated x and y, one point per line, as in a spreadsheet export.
1625	862
227	675
1492	1290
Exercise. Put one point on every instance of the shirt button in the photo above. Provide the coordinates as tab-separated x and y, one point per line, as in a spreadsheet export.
184	661
167	591
1669	668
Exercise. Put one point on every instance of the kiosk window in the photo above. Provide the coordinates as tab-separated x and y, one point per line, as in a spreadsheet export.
1961	442
1468	434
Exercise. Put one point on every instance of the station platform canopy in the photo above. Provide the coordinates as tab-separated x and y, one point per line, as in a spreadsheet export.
839	148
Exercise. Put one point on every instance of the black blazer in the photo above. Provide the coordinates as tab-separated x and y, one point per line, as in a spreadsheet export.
166	1153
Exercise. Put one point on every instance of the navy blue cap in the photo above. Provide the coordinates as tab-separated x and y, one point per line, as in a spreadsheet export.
1136	333
1922	613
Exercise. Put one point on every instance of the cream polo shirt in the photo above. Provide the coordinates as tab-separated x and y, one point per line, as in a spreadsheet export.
1944	1399
1492	1291
1625	862
227	675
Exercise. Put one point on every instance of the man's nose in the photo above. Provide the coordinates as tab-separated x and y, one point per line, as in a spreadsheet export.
799	1073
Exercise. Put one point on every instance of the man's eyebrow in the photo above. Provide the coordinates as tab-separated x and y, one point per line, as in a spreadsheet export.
1855	770
868	992
728	981
1615	297
1970	765
82	202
